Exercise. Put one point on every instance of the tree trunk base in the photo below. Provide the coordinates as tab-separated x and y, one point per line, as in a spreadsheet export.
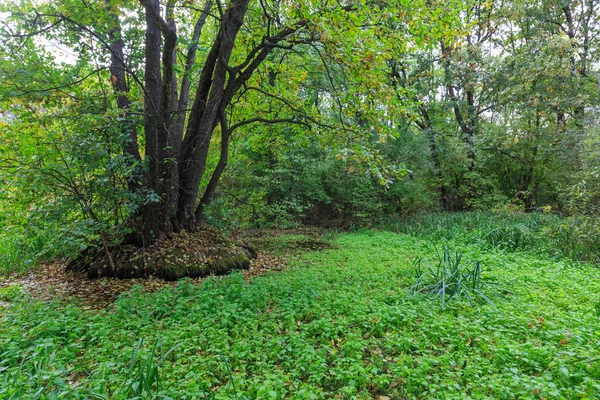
192	255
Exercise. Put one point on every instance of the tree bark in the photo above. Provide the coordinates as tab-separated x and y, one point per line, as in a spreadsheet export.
192	169
427	126
119	83
156	218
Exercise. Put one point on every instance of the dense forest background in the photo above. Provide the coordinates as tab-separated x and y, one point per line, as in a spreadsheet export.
336	114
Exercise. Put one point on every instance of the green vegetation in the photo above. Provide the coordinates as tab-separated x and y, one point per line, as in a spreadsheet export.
10	293
340	322
20	252
435	161
577	238
451	279
336	114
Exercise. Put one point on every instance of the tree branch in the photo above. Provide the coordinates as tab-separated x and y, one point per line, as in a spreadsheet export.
268	121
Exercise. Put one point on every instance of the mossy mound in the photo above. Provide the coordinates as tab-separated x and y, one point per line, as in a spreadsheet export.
187	254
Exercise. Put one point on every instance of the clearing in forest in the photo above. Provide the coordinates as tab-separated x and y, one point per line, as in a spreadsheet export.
340	321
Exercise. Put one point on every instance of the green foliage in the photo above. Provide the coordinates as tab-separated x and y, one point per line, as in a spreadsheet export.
597	308
287	187
18	252
339	322
577	238
390	109
10	293
371	128
451	278
66	183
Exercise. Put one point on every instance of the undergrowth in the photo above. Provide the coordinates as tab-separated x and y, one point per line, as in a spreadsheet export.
18	253
450	277
339	323
577	238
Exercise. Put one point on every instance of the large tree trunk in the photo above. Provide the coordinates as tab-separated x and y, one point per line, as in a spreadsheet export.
177	153
157	216
121	88
175	169
176	145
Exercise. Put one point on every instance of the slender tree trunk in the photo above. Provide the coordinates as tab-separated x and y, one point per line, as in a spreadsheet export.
466	124
179	118
210	192
579	70
192	168
119	84
437	168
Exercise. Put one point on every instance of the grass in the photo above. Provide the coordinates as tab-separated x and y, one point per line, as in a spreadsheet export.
16	255
10	292
22	249
340	323
577	238
451	277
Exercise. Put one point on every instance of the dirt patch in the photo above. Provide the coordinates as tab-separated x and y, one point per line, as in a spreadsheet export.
53	282
289	241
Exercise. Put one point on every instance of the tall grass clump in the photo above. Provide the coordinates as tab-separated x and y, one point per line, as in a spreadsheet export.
451	277
145	373
512	235
18	253
577	238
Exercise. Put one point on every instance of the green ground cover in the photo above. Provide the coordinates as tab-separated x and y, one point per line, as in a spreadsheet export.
341	322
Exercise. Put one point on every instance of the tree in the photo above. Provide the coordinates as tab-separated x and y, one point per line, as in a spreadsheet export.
543	95
180	113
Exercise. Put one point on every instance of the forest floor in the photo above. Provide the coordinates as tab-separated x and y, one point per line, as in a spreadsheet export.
338	319
52	282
